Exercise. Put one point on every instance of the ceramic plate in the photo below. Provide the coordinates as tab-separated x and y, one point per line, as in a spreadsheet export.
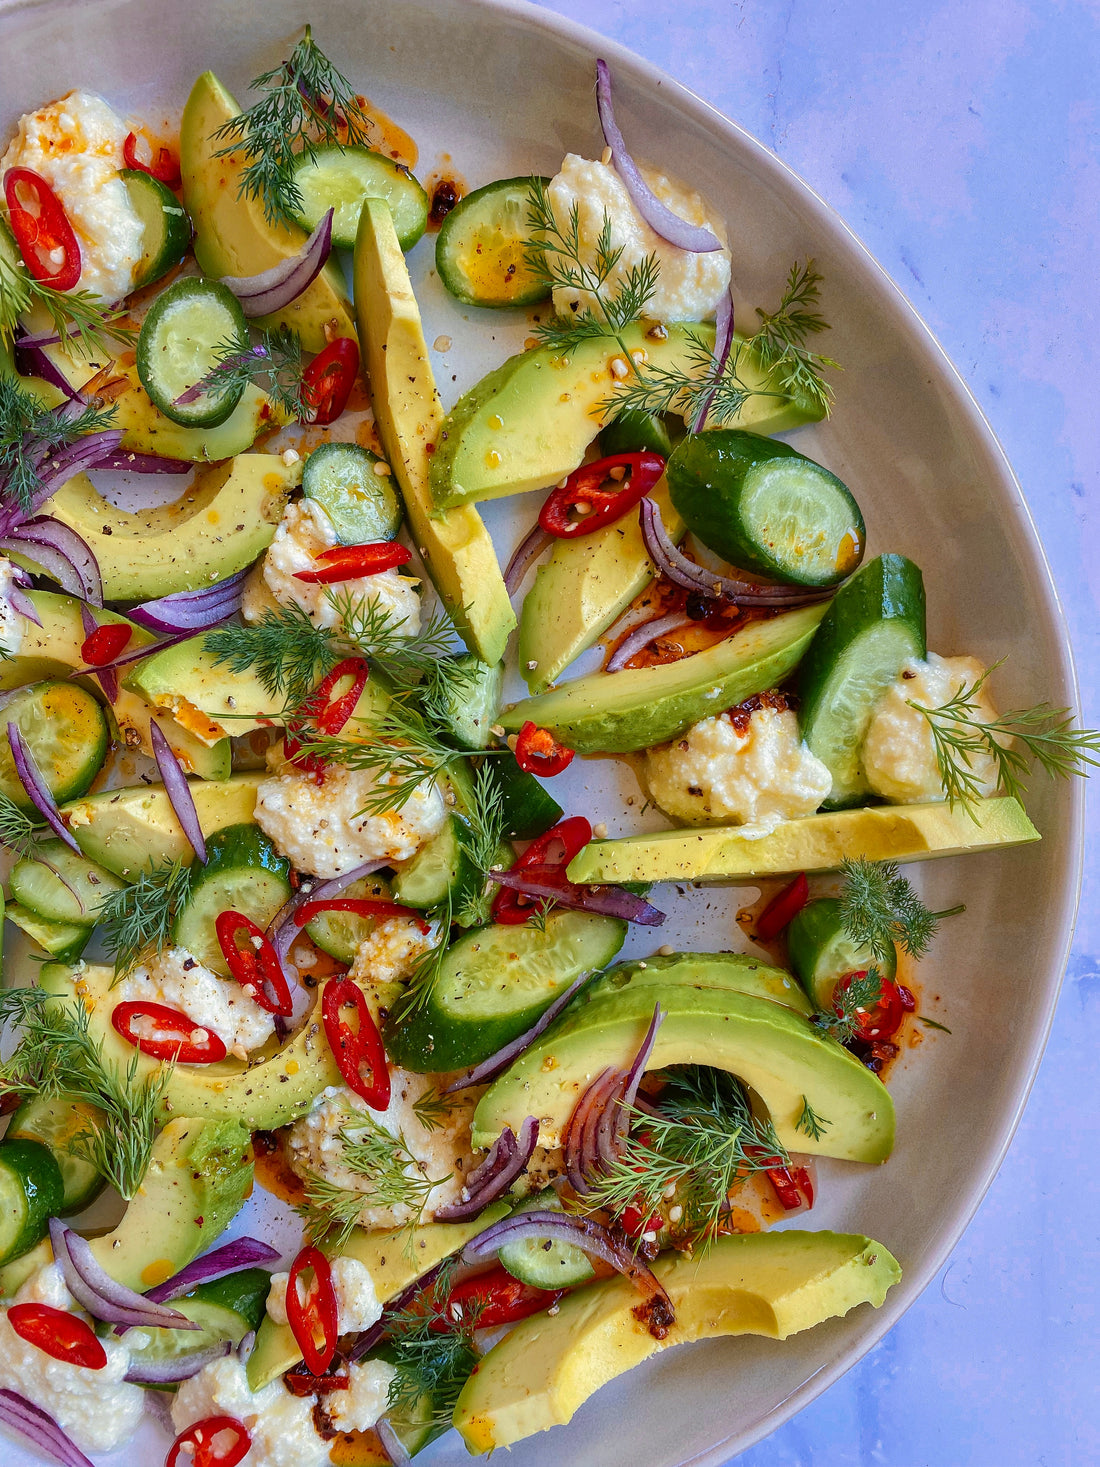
490	90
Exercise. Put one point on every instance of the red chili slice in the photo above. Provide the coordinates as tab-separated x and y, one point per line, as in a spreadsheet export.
883	1018
217	1441
538	751
42	231
311	1311
182	1045
555	847
581	505
164	167
328	714
782	909
254	962
105	643
60	1334
492	1299
359	1053
791	1185
350	562
328	380
301	1382
359	907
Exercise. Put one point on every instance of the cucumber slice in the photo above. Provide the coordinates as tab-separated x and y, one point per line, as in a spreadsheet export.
493	983
528	807
59	886
340	178
634	431
764	506
167	226
340	933
439	868
540	1262
181	340
30	1194
243	873
821	952
472	705
244	1293
218	1323
54	1122
361	504
65	730
481	250
875	624
64	941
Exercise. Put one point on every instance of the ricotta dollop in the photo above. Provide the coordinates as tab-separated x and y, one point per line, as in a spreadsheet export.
176	977
280	1425
357	1305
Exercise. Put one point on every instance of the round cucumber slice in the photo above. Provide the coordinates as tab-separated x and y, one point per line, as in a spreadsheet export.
541	1262
340	178
361	504
167	227
31	1193
340	933
55	1122
243	873
182	339
481	250
65	730
821	952
765	507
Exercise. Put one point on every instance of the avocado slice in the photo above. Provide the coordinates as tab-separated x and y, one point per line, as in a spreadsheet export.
735	971
774	1050
219	526
232	236
455	547
53	649
275	1088
128	830
814	843
772	1284
613	713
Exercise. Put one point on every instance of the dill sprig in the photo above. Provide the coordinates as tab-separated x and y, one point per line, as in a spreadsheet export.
780	340
842	1021
78	317
141	916
56	1056
400	751
704	1144
18	830
29	433
307	102
285	651
810	1122
433	1352
424	974
433	1110
275	362
1045	733
484	820
881	909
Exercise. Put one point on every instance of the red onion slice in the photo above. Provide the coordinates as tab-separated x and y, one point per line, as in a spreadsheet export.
527	552
582	1232
507	1158
23	604
549	883
190	611
229	1258
641	637
32	361
178	790
75	458
593	1138
175	1368
41	1430
282	929
723	338
63	554
273	289
30	777
124	462
492	1066
100	1294
660	218
395	1447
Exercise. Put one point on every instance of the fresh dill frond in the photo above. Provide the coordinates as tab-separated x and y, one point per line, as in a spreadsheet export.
433	1352
306	102
141	916
18	830
274	362
433	1110
120	1146
424	974
328	1208
810	1122
780	340
880	908
539	913
423	663
399	750
78	317
1045	735
932	1024
842	1021
484	835
704	1143
284	650
29	433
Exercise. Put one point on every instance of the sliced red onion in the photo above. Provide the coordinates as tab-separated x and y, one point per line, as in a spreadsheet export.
23	604
229	1258
637	1068
507	1158
62	553
32	361
582	1232
191	611
135	654
394	1447
492	1066
124	462
100	1294
527	552
178	790
245	1348
85	453
658	216
41	1430
672	563
594	1136
282	929
549	883
30	777
723	338
641	637
273	289
175	1368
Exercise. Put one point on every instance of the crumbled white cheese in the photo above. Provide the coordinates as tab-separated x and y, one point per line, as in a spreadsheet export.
97	1408
388	953
441	1155
281	1425
359	1407
899	756
322	829
756	778
357	1305
303	533
689	286
176	978
75	144
12	625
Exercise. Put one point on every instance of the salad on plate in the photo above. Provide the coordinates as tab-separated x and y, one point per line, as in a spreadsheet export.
300	896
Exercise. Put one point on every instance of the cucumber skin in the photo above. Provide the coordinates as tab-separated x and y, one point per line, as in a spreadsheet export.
39	1177
528	807
454	279
889	588
810	933
234	848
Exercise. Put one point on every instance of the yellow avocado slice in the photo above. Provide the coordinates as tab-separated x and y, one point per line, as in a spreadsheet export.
814	843
232	236
455	547
772	1284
